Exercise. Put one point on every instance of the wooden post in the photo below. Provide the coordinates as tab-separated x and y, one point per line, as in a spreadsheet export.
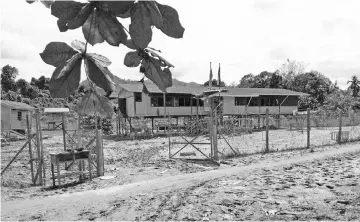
42	154
259	103
279	117
215	145
308	130
79	142
30	150
38	147
64	131
267	131
99	152
197	109
152	125
340	126
164	95
211	127
130	124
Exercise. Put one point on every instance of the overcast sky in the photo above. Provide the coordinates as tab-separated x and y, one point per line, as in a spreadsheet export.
247	36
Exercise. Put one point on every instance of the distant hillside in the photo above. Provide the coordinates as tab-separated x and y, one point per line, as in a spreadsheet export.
118	80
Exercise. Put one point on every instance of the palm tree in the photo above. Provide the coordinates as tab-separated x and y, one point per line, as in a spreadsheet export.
354	85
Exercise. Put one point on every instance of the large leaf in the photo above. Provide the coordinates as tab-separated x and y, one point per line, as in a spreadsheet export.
79	45
116	7
57	53
111	29
70	65
153	71
156	54
47	3
132	59
155	14
99	75
65	11
90	29
140	27
81	17
95	104
130	44
66	85
102	60
171	23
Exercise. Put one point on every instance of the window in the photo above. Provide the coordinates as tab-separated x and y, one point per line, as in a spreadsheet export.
20	116
193	102
240	101
176	100
138	97
160	99
201	102
169	101
187	101
181	101
154	101
262	102
253	101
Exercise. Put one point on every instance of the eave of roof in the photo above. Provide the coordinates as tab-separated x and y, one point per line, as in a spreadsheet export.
17	105
200	91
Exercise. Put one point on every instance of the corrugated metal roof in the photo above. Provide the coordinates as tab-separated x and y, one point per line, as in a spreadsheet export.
239	92
17	105
56	110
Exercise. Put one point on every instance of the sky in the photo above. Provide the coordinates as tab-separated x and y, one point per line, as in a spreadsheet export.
248	36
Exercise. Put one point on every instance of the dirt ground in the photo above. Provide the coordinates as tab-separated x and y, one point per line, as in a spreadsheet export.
142	160
327	189
279	186
137	160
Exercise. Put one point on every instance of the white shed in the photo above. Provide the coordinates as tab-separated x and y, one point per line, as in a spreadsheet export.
13	115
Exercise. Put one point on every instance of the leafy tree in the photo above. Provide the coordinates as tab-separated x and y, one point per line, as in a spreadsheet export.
23	86
33	81
276	81
354	85
8	76
264	80
289	70
313	83
247	81
32	92
342	100
42	82
99	22
214	83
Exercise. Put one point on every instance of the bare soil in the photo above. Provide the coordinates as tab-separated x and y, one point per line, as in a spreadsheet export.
139	161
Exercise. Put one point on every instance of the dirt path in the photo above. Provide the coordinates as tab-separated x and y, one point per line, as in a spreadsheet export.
120	203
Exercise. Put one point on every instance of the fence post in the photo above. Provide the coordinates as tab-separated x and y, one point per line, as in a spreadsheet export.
267	131
215	145
30	149
99	152
340	125
38	147
308	130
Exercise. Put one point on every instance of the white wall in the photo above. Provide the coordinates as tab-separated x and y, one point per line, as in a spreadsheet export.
231	109
5	118
144	108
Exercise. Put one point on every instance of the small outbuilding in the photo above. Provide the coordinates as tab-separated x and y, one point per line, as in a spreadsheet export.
13	115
